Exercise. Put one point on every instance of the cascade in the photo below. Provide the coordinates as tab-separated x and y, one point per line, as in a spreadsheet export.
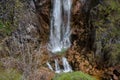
49	66
57	67
67	67
60	32
60	26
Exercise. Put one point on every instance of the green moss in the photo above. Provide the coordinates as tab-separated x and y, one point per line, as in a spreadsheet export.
5	28
9	74
113	4
73	76
107	20
10	22
62	52
115	54
107	23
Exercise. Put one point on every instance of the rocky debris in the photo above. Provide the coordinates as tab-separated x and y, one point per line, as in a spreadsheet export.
78	61
42	74
113	72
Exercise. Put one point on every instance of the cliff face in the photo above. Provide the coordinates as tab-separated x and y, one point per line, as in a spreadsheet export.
22	24
95	27
26	15
106	21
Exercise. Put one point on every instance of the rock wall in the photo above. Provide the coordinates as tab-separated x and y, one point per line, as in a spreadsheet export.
106	21
94	34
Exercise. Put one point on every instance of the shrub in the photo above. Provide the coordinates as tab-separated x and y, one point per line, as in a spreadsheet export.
73	76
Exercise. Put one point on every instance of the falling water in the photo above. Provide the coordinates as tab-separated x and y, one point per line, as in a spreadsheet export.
60	26
49	66
60	32
67	67
57	67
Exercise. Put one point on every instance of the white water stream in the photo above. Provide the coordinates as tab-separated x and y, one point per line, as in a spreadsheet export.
60	32
60	26
66	66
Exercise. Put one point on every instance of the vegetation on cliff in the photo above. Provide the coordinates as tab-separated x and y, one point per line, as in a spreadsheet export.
73	76
9	74
106	20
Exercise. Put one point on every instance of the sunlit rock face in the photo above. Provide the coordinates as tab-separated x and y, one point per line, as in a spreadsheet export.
27	32
23	24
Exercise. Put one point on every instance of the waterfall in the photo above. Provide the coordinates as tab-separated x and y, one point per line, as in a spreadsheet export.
60	32
49	66
60	26
57	67
67	67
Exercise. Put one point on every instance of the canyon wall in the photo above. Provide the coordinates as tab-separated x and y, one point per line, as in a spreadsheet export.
95	32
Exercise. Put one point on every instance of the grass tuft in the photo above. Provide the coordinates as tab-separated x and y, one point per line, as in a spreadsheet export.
73	76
